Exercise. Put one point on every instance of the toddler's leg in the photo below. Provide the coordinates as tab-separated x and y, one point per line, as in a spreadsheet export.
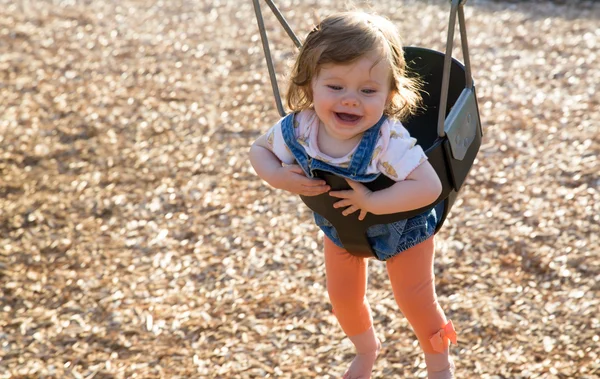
347	287
413	283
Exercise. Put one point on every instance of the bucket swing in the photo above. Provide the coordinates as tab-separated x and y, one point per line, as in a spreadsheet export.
448	130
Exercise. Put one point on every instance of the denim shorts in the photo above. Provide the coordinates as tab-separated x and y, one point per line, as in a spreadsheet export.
389	240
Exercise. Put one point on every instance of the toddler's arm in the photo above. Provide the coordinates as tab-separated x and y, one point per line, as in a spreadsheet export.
286	177
420	188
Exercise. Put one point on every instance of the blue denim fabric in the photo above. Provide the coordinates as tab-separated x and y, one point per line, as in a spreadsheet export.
387	240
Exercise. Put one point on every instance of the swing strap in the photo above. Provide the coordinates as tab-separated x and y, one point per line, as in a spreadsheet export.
267	51
456	8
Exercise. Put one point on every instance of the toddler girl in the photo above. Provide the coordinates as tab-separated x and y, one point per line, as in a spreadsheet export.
348	91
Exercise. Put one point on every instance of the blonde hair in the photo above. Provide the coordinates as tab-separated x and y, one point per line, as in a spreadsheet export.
343	38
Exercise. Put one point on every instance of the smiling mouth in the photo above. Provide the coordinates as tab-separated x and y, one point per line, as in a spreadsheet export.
347	117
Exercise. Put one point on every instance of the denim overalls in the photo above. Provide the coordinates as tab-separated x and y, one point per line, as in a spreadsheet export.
387	240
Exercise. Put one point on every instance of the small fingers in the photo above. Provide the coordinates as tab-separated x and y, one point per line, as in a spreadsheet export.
350	210
342	203
314	183
362	215
314	191
303	180
341	194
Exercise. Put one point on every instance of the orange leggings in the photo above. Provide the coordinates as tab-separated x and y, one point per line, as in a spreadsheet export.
413	284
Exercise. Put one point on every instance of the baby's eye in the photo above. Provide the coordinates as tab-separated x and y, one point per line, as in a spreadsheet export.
335	88
369	91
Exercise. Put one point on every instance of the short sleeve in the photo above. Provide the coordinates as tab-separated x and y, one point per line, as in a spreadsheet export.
401	155
277	144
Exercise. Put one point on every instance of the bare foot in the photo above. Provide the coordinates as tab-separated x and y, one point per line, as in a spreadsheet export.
362	364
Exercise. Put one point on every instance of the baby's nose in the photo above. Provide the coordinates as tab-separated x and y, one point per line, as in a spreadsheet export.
350	101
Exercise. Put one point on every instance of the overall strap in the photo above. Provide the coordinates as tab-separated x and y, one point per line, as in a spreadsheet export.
287	131
289	137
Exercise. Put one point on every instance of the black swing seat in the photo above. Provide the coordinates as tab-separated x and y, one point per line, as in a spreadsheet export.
451	139
451	156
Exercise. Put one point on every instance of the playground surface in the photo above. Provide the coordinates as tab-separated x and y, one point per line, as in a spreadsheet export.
137	242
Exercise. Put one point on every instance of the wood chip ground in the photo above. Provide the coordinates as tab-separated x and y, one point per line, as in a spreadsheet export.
137	242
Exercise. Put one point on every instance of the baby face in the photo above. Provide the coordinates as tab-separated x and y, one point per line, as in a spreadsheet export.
351	98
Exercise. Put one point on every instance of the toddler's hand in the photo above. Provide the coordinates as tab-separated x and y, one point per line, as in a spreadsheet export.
355	199
293	179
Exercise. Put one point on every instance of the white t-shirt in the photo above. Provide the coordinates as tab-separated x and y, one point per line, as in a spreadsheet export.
396	153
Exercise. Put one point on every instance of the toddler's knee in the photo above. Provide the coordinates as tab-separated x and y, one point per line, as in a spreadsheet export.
343	298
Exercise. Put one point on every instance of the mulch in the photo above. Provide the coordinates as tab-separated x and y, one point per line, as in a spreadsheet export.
137	242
